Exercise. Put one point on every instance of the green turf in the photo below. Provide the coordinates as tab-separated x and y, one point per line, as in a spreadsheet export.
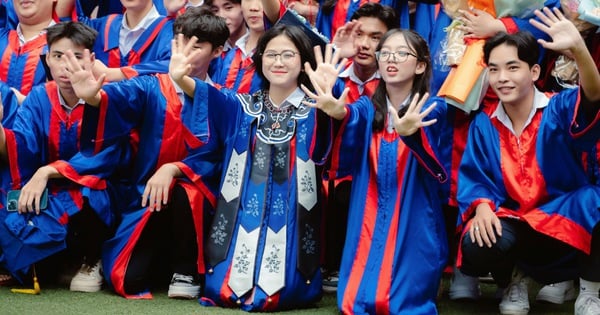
58	300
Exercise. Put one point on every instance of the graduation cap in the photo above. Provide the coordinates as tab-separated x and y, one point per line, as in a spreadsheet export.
291	17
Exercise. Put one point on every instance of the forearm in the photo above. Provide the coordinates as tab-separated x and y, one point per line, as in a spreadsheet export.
50	172
589	78
3	151
271	10
187	84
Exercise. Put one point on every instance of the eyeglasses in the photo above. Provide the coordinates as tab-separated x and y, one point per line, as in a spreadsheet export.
286	55
399	56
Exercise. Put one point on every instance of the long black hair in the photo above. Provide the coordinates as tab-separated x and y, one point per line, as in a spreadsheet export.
418	46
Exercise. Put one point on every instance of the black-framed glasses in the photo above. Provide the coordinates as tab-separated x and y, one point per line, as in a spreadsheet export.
399	56
286	55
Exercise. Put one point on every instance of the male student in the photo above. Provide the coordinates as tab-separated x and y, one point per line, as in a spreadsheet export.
530	210
169	125
55	190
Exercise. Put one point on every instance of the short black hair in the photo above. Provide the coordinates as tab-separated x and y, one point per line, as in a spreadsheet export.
209	3
202	23
528	49
80	34
384	13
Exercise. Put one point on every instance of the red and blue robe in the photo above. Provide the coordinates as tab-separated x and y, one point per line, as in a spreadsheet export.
396	246
167	128
149	55
237	72
262	249
8	17
343	11
21	67
45	134
537	177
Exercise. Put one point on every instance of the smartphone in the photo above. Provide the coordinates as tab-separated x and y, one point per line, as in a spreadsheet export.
12	200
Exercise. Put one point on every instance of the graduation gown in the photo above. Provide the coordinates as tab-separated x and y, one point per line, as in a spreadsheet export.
262	248
45	134
396	246
167	130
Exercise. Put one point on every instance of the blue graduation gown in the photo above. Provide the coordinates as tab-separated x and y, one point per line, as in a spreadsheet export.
167	130
45	134
395	247
260	243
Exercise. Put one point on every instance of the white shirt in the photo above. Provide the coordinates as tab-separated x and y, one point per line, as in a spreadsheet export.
390	122
241	44
23	41
349	73
539	101
64	105
180	92
294	99
129	36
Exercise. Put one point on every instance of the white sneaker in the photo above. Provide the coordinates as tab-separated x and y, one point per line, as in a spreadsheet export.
330	282
88	278
587	304
183	287
557	293
515	300
463	287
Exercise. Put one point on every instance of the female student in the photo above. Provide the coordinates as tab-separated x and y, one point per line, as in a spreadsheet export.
395	247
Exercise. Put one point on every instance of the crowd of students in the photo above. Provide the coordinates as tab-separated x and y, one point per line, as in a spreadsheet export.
248	162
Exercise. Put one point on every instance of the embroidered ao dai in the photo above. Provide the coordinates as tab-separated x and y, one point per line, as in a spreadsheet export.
262	248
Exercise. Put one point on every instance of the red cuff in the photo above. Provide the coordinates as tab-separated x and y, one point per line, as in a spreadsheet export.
69	172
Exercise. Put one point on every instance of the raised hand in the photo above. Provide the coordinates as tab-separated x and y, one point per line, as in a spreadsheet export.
172	6
181	54
85	85
344	39
323	78
564	34
413	118
480	24
328	67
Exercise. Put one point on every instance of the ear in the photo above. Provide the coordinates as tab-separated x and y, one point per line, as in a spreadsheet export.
421	67
535	72
217	51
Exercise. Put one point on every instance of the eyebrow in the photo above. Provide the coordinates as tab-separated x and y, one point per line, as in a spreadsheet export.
512	62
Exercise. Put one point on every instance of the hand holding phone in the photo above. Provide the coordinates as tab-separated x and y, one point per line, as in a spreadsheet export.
12	200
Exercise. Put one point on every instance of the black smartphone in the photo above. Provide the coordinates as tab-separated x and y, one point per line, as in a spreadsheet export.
12	200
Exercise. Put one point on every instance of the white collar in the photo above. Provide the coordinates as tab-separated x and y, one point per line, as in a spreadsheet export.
540	100
144	23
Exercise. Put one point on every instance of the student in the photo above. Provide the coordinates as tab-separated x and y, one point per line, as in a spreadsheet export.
357	40
524	197
42	150
169	125
262	249
237	70
136	42
21	66
395	221
231	11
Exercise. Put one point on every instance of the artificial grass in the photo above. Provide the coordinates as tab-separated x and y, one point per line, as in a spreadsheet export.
59	300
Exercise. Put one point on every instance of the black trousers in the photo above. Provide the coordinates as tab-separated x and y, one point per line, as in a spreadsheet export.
541	257
168	241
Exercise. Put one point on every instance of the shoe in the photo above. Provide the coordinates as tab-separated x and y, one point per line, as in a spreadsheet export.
587	304
330	282
515	300
183	287
557	293
463	287
88	278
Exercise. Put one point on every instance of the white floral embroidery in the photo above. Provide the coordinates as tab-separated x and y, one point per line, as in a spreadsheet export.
306	182
273	262
280	159
218	235
242	260
260	158
308	242
302	134
252	206
279	205
233	177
